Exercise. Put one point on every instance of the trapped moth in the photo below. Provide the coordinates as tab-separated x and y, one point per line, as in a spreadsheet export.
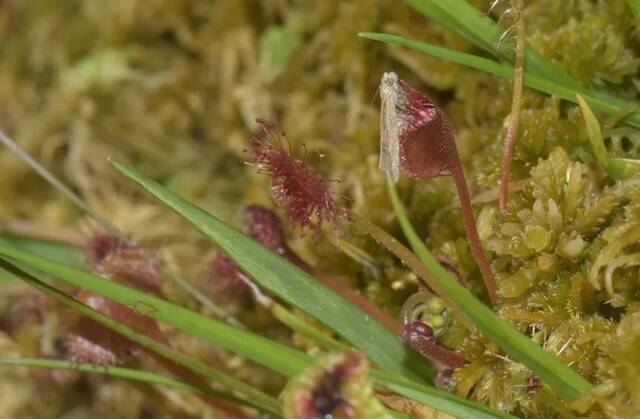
390	125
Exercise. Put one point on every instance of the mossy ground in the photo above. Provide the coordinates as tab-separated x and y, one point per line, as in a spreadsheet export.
173	87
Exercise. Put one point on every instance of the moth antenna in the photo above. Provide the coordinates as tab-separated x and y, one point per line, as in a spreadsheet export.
375	96
59	185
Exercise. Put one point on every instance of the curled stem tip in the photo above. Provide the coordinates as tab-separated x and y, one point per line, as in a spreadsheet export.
421	338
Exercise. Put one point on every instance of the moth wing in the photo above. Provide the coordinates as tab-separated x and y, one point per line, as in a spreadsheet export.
389	135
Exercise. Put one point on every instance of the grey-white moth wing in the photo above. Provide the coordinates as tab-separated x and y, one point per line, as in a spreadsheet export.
389	126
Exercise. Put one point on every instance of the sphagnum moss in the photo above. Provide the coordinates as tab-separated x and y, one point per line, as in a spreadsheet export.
173	86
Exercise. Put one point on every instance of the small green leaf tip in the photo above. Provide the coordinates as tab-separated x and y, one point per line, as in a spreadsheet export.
618	168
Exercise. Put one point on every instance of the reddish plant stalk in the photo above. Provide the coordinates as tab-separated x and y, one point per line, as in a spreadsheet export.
413	262
457	174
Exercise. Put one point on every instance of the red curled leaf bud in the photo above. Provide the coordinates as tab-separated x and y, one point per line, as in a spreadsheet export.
297	188
420	337
264	226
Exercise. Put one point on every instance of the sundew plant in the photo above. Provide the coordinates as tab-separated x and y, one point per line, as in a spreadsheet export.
334	209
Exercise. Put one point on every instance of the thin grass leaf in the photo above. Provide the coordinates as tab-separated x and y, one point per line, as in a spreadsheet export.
635	9
296	286
602	103
560	377
126	373
279	358
618	168
476	27
63	253
251	395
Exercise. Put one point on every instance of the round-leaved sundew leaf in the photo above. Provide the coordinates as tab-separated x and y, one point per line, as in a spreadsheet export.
303	193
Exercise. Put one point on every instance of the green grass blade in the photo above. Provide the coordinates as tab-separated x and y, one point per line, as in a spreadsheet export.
436	399
560	377
618	168
471	24
602	103
63	253
251	395
296	286
635	9
127	373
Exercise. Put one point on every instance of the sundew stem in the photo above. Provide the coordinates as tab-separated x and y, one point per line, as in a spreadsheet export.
457	174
